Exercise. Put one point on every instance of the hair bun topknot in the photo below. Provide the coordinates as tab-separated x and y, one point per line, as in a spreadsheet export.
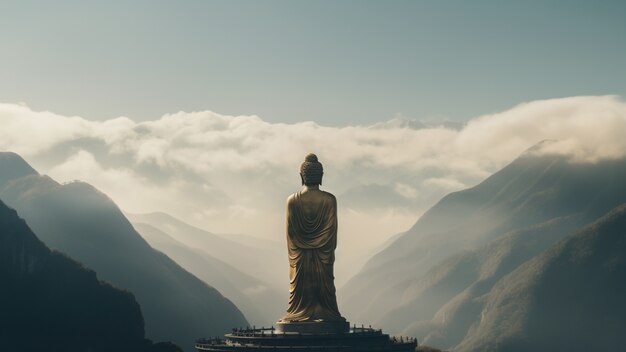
311	170
311	158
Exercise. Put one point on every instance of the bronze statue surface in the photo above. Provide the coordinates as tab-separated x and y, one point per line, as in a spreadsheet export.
311	243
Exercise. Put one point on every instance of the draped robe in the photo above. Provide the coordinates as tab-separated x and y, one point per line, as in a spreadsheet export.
311	243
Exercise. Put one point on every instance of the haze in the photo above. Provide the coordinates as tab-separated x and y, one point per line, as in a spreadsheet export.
231	174
335	63
476	150
204	110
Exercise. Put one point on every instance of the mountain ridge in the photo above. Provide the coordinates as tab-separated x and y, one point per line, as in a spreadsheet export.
51	302
569	298
83	222
531	190
265	262
258	302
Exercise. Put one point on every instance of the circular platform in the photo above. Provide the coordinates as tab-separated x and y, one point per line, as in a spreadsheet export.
314	327
268	339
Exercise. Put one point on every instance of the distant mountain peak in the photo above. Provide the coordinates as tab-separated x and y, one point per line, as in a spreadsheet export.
404	122
51	302
85	223
399	122
540	197
13	166
538	148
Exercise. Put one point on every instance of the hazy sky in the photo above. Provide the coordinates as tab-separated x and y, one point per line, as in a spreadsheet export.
334	62
248	74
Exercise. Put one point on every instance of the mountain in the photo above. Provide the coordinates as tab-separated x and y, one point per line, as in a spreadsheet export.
264	260
79	220
399	122
441	305
570	298
256	299
545	193
14	167
49	302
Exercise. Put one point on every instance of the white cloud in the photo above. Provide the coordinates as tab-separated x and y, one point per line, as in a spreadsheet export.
32	132
586	128
232	173
406	190
445	184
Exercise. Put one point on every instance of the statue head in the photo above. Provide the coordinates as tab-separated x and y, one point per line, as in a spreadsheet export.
311	171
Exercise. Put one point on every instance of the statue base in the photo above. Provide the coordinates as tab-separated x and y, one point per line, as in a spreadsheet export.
313	327
270	340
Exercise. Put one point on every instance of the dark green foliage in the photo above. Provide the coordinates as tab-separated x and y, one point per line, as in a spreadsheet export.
49	302
450	296
165	347
433	281
426	349
79	220
570	298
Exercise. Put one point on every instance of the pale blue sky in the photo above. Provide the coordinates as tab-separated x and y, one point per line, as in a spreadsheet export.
334	62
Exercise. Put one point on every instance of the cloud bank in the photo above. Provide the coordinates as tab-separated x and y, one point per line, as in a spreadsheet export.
233	173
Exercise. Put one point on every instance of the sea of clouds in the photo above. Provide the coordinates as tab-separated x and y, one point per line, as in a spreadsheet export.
231	174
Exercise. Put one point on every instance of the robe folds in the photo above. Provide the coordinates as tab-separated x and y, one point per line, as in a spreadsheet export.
311	243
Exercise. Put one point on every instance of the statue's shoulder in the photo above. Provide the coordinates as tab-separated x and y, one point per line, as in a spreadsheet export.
329	196
292	198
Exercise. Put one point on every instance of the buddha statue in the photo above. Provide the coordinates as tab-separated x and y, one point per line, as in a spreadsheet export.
311	243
